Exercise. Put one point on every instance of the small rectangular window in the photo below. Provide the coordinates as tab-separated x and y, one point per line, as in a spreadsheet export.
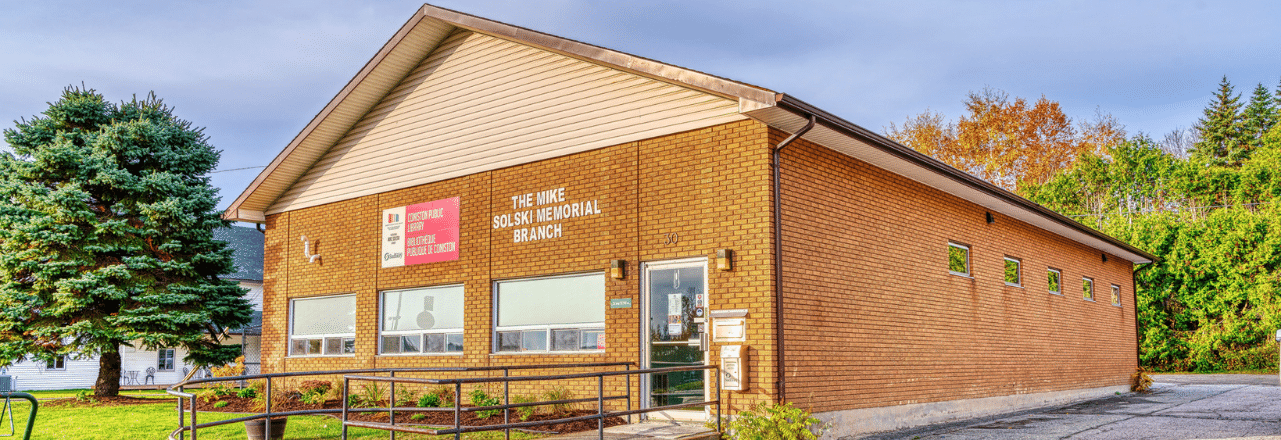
58	363
1116	295
1013	272
421	320
165	361
322	326
958	259
560	313
1053	276
1087	285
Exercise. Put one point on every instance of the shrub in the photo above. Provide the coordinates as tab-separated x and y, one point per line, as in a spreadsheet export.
419	416
480	398
84	396
236	368
1140	381
247	393
370	395
406	397
525	412
430	401
314	391
446	394
207	394
775	422
221	403
559	393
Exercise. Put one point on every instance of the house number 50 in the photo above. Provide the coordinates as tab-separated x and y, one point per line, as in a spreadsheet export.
671	238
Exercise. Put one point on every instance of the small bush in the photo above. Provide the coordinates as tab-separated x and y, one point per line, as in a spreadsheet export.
207	394
430	401
525	412
419	416
559	393
84	396
314	392
1140	381
775	422
446	394
406	397
480	398
247	393
370	395
353	401
221	403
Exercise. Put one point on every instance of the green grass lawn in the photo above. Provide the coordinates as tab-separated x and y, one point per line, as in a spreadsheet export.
58	394
155	421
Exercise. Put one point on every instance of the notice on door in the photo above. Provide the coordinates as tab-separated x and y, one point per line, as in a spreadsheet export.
421	233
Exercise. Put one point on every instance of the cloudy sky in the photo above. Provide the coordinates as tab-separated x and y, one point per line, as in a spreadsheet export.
254	73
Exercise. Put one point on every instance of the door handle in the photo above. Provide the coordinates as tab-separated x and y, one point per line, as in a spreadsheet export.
702	341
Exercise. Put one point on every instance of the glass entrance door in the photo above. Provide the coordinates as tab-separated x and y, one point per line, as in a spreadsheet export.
675	308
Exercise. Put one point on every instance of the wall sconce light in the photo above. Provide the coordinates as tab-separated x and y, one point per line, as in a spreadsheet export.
1105	257
618	269
724	259
990	219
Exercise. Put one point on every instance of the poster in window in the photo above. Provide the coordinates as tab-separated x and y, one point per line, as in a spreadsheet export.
420	233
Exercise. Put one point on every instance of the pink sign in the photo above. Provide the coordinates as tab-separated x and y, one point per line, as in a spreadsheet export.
421	233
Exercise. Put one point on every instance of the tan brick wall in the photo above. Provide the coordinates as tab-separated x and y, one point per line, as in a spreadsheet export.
709	187
873	317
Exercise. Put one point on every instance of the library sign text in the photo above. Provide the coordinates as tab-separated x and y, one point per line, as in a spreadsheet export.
421	233
538	215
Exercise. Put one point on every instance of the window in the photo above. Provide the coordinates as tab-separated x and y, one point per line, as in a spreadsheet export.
165	362
1087	285
1013	272
958	259
564	313
323	326
1116	295
1054	275
426	320
58	363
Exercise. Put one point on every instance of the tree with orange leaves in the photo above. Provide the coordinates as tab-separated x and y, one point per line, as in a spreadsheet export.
1008	142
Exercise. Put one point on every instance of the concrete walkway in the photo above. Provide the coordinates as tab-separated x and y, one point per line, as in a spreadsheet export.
1179	407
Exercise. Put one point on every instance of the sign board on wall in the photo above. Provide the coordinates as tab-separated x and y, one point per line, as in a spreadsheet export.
421	233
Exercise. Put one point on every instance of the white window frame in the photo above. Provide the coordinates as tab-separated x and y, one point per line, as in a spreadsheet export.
421	333
173	359
1018	263
1047	281
1093	295
496	340
969	269
1116	295
52	364
344	337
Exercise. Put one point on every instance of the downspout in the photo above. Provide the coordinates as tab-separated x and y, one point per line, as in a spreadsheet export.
778	258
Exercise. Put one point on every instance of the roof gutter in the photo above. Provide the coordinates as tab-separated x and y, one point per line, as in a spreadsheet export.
842	126
778	258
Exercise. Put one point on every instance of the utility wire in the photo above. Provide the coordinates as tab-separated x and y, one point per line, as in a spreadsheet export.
236	169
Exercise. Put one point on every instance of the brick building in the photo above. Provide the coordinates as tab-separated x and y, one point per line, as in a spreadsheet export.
463	199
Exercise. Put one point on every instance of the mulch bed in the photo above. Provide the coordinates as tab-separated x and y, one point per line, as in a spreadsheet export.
439	418
103	401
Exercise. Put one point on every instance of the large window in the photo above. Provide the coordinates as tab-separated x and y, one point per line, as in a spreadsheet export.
426	320
958	259
1054	275
165	361
324	326
1013	272
563	313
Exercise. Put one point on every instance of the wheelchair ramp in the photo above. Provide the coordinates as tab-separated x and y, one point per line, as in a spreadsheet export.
647	430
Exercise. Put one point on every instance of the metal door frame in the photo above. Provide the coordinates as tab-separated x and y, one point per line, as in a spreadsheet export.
645	266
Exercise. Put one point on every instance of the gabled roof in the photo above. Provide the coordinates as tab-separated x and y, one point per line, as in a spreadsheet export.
431	25
246	251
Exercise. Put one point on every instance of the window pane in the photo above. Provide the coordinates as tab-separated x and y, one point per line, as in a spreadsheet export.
313	346
299	347
333	345
565	339
575	299
454	342
1012	271
391	344
535	340
411	344
323	316
1116	295
435	343
592	340
349	345
423	309
1054	281
509	341
1088	287
958	259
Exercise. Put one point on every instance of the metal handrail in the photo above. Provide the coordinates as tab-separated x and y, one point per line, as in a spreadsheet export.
31	418
507	425
178	391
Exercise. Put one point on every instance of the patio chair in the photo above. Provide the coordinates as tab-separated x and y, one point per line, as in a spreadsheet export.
151	376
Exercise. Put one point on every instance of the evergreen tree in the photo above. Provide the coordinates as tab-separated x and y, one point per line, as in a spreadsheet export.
1221	129
106	237
1259	116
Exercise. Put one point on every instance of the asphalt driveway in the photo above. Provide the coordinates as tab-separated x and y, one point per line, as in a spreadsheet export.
1182	407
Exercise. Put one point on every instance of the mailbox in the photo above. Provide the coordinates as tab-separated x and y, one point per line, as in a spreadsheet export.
733	367
729	325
